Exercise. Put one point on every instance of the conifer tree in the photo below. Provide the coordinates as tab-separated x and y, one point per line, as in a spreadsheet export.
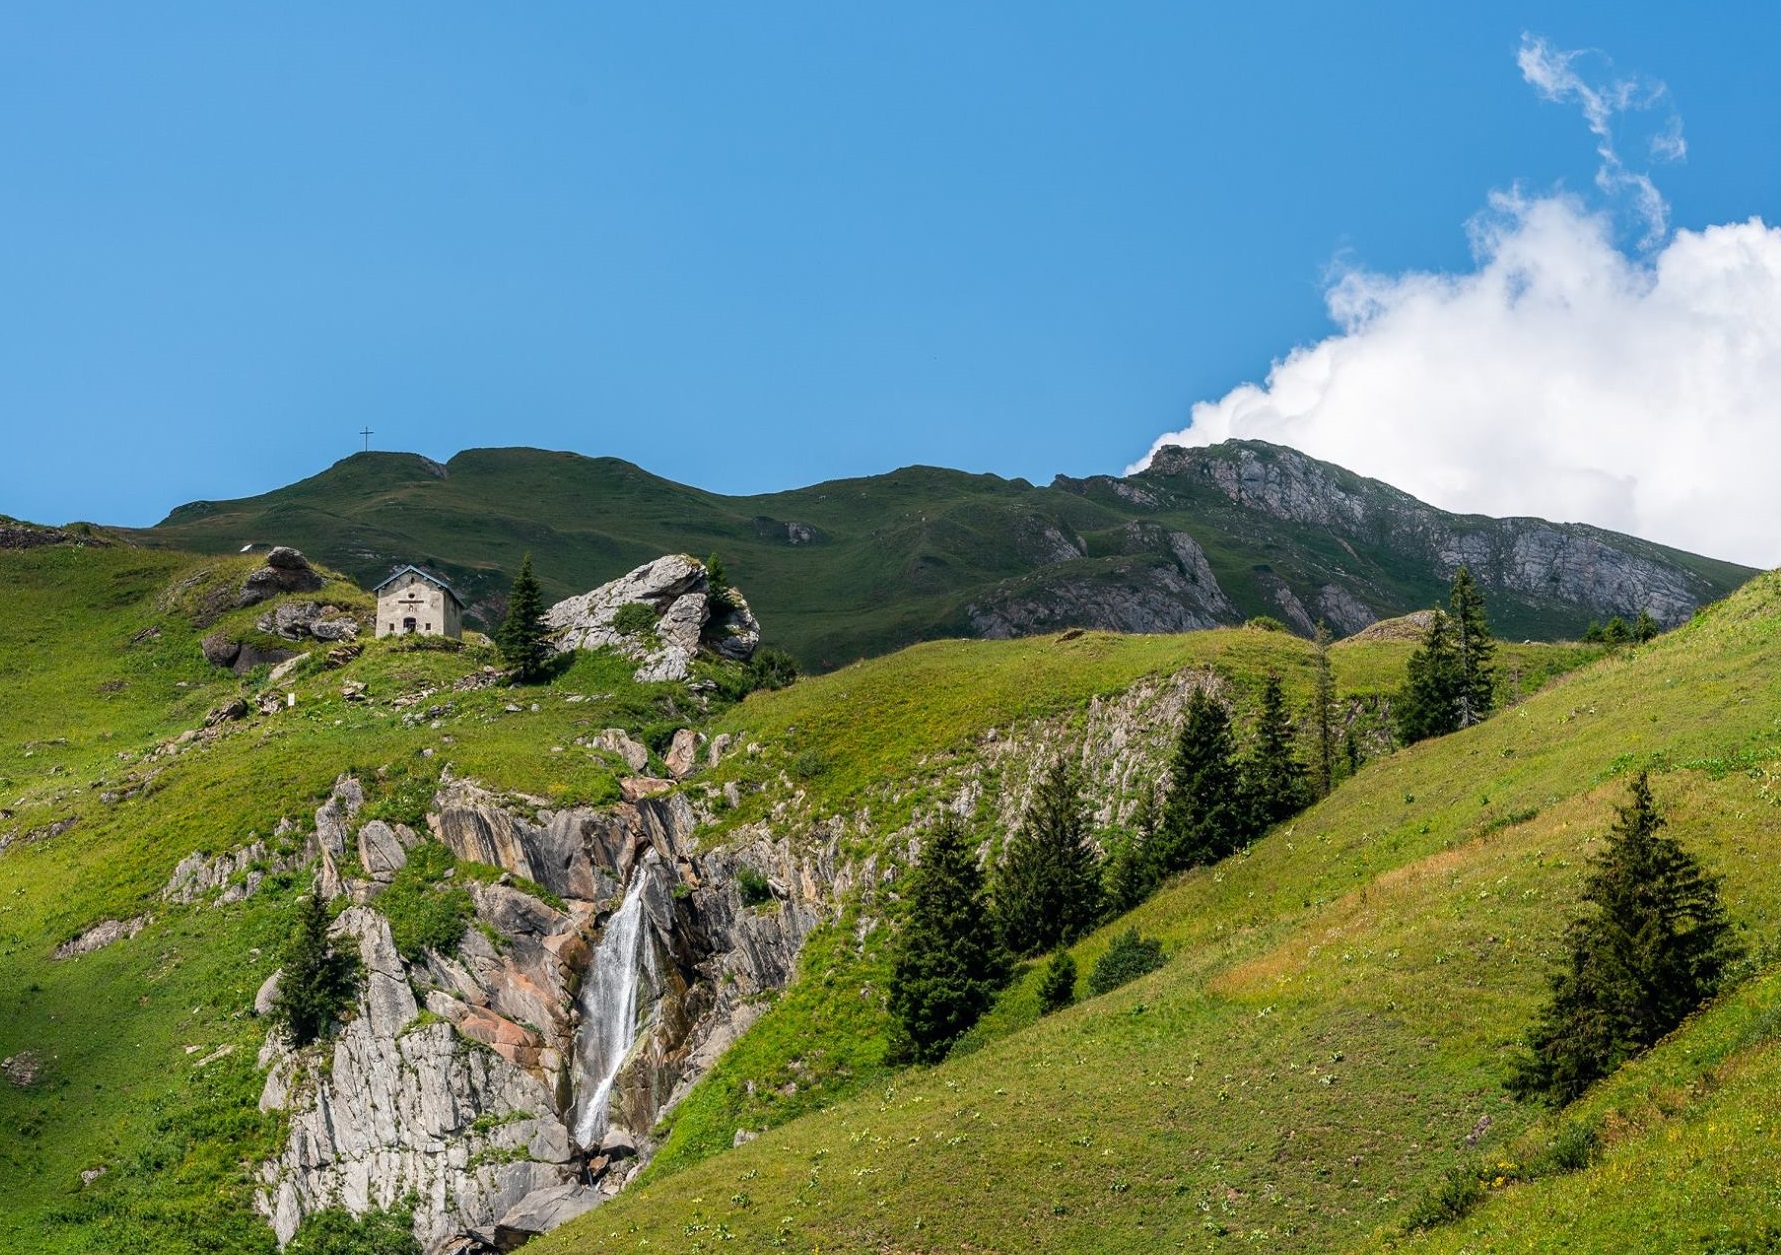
1274	786
947	963
1473	650
521	637
1323	713
1048	888
1057	988
1203	817
1429	703
316	980
1134	868
1651	945
1644	627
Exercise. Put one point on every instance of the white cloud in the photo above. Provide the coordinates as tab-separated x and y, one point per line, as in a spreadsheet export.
1562	376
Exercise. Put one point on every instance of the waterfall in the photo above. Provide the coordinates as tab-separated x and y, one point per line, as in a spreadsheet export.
608	1003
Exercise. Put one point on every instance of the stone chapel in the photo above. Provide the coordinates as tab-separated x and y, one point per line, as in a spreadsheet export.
413	602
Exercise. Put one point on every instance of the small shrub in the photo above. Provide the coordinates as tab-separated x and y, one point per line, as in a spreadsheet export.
1571	1151
634	619
1057	988
1265	623
808	765
426	910
336	1231
1449	1200
771	669
753	886
1129	957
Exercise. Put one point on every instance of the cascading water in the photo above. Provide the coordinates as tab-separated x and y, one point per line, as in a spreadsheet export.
608	1003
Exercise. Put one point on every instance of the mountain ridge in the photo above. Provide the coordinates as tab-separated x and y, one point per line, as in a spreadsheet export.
856	567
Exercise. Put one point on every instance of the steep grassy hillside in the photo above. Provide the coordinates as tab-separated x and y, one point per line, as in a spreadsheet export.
1331	1033
853	568
1330	1029
137	1061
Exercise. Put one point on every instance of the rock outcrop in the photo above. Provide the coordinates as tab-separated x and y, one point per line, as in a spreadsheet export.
1585	567
286	571
676	590
473	1108
101	935
310	620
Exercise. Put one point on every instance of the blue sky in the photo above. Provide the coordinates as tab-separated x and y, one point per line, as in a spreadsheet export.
751	246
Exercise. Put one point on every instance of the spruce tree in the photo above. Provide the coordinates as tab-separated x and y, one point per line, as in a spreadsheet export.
1473	649
1274	786
1203	818
1645	627
1323	713
1429	703
1133	868
1057	988
316	981
1048	887
1651	945
521	636
947	963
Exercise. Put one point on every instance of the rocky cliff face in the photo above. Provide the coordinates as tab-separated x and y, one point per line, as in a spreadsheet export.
463	1080
1598	571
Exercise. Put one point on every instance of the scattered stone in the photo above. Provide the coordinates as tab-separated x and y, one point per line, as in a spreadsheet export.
90	1175
353	691
636	788
743	1137
343	654
23	1069
720	745
267	997
618	1144
683	753
101	935
149	633
230	711
616	741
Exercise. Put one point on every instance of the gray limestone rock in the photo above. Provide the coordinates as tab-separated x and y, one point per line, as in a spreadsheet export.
101	935
543	1210
683	753
381	852
677	589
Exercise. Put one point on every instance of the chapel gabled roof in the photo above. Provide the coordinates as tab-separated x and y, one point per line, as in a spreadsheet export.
428	576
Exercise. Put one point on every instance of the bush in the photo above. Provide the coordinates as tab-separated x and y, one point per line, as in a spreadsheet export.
1129	957
771	669
753	886
1057	988
426	910
1265	623
633	619
1455	1195
336	1231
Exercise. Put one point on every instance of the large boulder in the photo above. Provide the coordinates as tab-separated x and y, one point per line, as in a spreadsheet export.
286	571
301	620
676	591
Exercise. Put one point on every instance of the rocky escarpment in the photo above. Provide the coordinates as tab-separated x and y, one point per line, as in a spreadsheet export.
1597	571
1166	585
483	1083
683	611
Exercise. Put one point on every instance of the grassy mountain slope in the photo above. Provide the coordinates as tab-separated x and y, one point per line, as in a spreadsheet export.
143	1052
1331	1033
857	567
1403	926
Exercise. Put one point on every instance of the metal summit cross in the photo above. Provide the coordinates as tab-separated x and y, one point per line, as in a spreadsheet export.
367	433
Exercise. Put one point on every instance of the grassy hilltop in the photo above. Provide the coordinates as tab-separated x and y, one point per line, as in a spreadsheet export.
1326	1042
